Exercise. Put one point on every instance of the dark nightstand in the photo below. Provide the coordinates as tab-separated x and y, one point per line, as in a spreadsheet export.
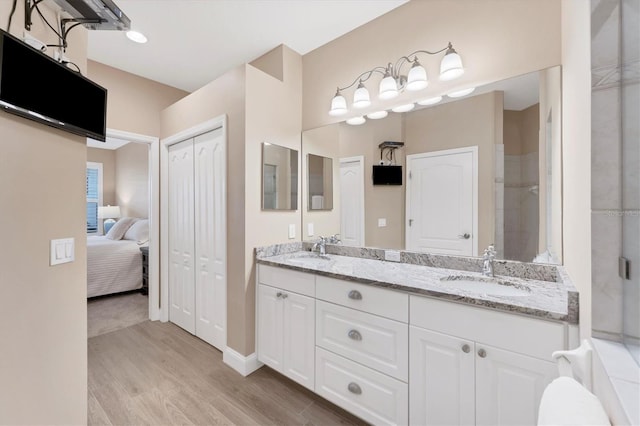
145	270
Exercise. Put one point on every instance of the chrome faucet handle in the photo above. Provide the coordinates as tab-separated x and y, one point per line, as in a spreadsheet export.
334	239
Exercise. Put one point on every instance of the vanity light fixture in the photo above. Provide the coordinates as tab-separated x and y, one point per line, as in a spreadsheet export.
403	108
461	93
136	36
430	101
377	115
394	81
356	121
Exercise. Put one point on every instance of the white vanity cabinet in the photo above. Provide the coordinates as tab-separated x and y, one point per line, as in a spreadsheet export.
286	323
459	378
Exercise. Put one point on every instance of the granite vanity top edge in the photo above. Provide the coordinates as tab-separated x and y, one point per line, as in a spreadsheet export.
539	313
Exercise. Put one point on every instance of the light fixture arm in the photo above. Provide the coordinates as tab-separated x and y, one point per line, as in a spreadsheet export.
360	78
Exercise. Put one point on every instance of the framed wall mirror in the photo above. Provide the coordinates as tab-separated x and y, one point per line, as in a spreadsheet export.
279	177
319	182
514	127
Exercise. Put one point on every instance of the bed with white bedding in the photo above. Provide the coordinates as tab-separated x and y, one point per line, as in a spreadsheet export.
114	265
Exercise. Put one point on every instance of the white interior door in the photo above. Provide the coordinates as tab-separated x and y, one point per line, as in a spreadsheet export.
210	238
352	201
181	233
442	202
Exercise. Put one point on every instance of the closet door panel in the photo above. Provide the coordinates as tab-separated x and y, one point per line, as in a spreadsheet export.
181	231
210	238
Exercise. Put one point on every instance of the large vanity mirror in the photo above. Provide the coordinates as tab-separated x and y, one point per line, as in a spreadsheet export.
279	177
479	170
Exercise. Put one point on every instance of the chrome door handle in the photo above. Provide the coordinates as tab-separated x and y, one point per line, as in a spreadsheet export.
482	353
355	295
465	236
466	349
354	335
354	388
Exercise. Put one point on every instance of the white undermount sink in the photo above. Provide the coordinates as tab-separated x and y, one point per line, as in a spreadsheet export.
485	285
308	259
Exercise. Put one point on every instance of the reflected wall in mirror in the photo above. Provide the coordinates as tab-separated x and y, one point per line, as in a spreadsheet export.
514	127
279	177
319	182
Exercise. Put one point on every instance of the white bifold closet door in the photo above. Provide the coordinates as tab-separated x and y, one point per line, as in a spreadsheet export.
197	237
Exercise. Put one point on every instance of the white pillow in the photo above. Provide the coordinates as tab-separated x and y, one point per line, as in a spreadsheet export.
567	402
138	232
119	228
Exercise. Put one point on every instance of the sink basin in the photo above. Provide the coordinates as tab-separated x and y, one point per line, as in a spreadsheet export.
309	259
485	285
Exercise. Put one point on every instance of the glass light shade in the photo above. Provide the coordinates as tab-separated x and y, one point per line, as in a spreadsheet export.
430	101
356	121
108	212
377	115
403	108
361	97
136	36
417	78
451	66
388	88
338	105
461	93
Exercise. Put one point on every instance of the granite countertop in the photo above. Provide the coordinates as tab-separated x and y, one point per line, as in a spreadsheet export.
553	300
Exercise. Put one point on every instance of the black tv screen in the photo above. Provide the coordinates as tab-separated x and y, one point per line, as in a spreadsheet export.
387	175
39	88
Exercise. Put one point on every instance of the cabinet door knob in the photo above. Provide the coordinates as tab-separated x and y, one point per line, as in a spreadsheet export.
466	349
355	335
355	295
482	353
465	236
354	388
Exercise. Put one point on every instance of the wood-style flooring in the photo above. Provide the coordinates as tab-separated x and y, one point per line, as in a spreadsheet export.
157	374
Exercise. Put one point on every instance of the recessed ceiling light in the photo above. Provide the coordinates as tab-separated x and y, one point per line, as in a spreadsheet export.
356	121
430	101
136	36
461	93
403	108
377	115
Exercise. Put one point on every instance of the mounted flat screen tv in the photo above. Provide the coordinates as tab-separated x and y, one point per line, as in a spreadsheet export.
35	86
387	175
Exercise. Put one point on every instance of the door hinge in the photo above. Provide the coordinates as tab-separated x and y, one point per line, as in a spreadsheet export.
410	222
623	268
410	175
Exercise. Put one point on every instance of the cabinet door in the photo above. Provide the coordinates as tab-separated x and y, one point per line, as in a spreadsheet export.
441	384
270	323
299	338
509	386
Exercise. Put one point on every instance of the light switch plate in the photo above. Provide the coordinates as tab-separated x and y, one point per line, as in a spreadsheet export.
62	251
392	255
292	230
310	230
382	222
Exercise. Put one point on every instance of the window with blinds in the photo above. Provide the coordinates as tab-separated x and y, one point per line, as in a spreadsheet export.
94	195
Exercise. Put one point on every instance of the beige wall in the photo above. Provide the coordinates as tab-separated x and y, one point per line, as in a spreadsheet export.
521	135
273	114
576	151
43	309
132	179
108	159
134	103
496	39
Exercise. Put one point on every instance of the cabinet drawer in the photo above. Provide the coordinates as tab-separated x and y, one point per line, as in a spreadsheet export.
528	336
373	396
286	279
380	301
374	341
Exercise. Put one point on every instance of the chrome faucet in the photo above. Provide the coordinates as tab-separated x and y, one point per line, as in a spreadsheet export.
488	258
320	245
334	239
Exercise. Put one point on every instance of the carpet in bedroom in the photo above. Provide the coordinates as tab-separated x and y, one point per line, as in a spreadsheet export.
111	313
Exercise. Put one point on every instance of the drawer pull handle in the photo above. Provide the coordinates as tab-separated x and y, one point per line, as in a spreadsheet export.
279	294
466	349
354	388
482	353
355	335
355	295
282	295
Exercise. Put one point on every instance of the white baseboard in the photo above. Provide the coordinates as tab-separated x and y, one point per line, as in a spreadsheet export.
244	365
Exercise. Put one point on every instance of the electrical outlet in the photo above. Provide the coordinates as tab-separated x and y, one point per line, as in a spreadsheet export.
60	57
310	230
292	230
382	222
392	255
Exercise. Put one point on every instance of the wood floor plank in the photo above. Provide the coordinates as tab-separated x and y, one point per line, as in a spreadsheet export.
156	373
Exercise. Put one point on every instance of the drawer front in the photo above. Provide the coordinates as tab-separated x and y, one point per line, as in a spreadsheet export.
380	301
286	279
374	341
370	395
529	336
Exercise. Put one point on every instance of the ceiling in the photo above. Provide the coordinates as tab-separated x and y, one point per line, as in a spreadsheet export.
192	42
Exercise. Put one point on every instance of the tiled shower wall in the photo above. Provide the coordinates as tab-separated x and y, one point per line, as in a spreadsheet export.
615	155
